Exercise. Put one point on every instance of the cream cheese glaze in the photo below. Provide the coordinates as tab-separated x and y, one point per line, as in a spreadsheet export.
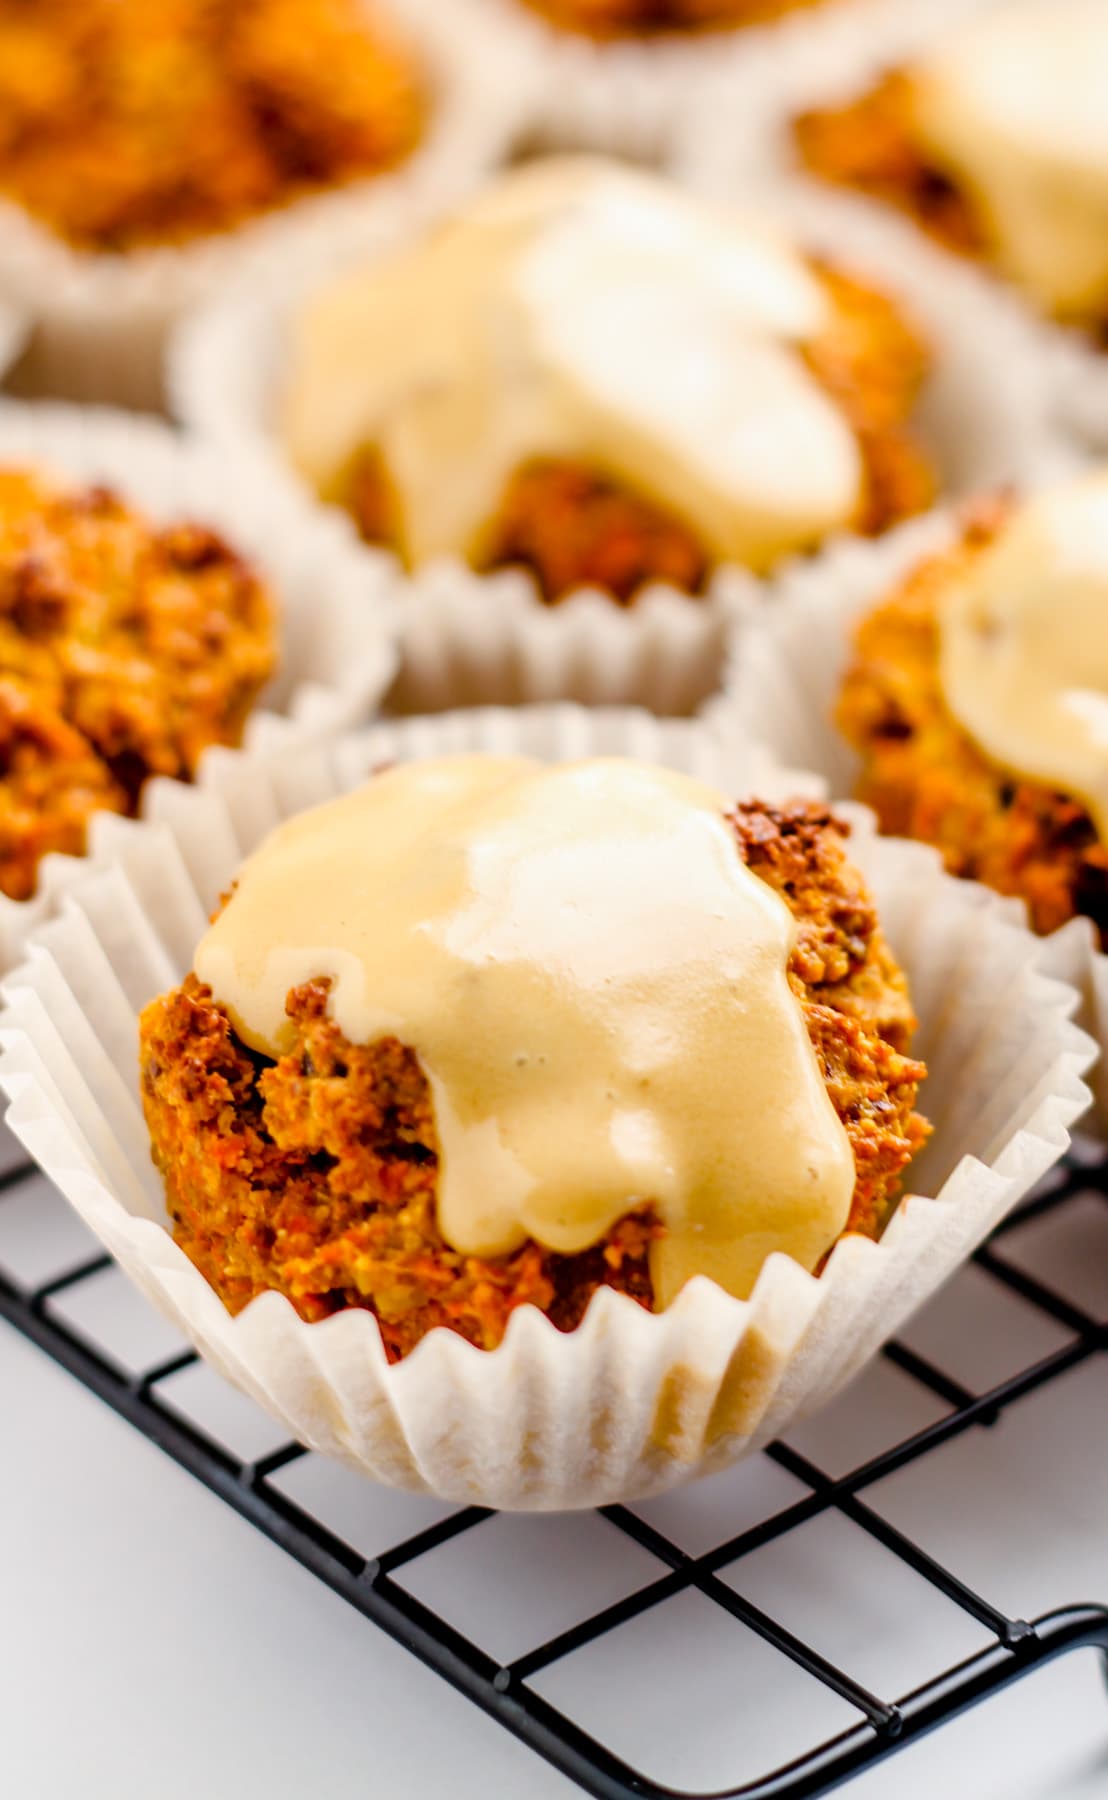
1024	645
1016	106
595	984
580	309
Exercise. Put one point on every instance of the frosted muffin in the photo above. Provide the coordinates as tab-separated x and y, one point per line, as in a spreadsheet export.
996	143
125	650
977	696
589	374
649	18
123	126
489	1033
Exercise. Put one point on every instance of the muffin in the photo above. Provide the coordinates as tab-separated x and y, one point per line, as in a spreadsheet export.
648	18
123	126
994	143
976	698
126	650
589	1026
590	375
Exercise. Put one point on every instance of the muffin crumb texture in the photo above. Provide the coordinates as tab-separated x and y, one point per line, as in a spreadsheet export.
125	650
926	778
316	1174
154	123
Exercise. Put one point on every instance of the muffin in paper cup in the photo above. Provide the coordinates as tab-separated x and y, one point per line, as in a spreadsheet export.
335	600
740	138
631	95
630	1402
789	653
474	638
100	321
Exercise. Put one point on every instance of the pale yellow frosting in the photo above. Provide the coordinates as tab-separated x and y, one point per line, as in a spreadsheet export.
1015	104
1024	659
584	310
595	984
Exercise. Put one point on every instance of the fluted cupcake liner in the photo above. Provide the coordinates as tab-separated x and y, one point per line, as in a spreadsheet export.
788	656
100	320
472	639
336	602
630	1403
738	139
632	96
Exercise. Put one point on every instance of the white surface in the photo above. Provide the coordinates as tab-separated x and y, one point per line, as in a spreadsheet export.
153	1646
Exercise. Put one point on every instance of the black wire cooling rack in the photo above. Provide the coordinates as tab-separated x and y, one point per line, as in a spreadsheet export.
505	1691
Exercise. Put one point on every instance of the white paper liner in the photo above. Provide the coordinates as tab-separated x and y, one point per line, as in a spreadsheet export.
789	653
632	97
630	1403
101	321
739	138
985	414
336	601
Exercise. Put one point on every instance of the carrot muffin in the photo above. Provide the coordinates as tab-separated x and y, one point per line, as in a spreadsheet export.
977	697
125	650
587	1026
652	18
592	375
996	144
130	125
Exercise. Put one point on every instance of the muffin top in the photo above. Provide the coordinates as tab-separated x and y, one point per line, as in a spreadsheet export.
123	125
1015	103
1024	644
125	650
580	309
596	986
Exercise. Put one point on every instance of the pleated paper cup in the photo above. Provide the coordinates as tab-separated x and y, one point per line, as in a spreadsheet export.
336	602
630	1403
101	321
788	656
739	139
469	639
632	97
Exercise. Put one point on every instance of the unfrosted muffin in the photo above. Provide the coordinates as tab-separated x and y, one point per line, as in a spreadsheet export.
591	374
125	650
651	18
123	125
583	1025
994	142
977	697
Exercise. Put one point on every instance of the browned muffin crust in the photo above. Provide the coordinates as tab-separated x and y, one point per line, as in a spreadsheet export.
868	143
650	18
316	1174
575	526
156	121
926	778
125	650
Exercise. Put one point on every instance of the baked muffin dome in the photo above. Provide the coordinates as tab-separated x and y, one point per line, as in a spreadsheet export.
593	375
605	995
129	125
125	650
975	695
649	18
995	143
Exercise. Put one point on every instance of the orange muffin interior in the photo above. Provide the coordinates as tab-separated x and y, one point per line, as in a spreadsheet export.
316	1173
125	650
130	125
926	778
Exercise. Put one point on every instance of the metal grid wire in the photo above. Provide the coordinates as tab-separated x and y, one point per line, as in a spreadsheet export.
505	1691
